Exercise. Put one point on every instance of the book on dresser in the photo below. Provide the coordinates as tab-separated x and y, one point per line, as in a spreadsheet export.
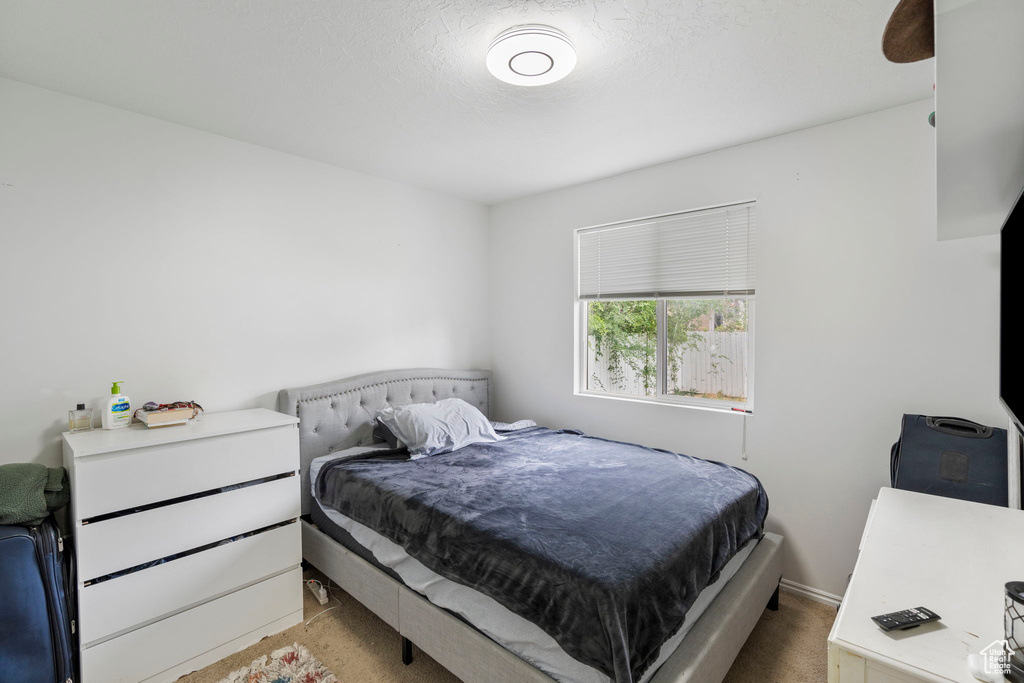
165	417
178	565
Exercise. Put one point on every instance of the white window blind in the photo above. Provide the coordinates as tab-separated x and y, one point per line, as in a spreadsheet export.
704	253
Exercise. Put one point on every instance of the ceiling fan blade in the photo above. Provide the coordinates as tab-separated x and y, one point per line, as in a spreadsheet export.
910	34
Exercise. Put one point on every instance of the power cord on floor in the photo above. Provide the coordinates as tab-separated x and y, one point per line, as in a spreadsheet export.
330	591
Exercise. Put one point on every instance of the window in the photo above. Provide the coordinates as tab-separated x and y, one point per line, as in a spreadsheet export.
666	307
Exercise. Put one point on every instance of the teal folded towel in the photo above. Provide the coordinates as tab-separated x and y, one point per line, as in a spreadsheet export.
29	492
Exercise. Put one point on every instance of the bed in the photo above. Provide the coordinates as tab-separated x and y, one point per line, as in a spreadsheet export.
338	415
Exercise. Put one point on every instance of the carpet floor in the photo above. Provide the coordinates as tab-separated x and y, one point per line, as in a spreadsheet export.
788	646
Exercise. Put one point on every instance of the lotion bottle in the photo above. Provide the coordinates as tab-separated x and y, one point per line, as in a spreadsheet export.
117	412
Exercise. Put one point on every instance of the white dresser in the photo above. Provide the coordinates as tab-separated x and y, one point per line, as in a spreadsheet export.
950	556
181	494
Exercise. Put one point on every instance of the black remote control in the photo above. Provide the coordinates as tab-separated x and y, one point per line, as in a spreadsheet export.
898	621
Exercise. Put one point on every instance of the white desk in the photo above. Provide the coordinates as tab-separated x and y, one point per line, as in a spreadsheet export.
950	556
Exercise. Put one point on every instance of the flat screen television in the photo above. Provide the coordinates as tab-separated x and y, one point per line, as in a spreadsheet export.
1011	314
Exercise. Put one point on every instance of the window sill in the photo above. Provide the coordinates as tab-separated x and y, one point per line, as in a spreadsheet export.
665	402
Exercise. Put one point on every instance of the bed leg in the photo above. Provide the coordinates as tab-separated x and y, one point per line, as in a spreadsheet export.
773	602
406	651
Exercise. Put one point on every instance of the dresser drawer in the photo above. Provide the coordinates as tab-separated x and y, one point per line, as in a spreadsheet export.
128	601
153	649
123	480
122	542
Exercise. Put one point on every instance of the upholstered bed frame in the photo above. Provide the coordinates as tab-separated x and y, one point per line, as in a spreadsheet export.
339	415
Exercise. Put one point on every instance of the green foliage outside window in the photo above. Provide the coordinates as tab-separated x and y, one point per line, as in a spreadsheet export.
625	335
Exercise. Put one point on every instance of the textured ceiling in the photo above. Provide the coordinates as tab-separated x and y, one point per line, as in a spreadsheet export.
400	89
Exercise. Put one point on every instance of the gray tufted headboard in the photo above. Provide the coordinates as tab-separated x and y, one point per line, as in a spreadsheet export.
337	415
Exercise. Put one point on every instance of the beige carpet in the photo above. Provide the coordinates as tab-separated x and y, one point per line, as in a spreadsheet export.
785	646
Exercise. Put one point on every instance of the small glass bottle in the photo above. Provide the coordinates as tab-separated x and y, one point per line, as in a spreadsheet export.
80	419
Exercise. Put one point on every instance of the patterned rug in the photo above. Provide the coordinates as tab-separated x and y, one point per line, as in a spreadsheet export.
291	664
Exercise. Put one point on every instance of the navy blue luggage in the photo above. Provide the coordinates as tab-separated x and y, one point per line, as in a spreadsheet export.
951	457
36	620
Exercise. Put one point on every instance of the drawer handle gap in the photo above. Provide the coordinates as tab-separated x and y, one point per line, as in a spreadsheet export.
182	499
186	553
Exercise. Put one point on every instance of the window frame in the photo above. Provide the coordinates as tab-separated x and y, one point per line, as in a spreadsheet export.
661	395
582	350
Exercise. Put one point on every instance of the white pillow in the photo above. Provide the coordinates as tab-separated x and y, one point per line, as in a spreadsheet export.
432	428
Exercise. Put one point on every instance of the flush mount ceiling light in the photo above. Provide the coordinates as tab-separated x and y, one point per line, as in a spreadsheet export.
531	55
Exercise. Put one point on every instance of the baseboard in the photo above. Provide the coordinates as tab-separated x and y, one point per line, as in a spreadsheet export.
811	593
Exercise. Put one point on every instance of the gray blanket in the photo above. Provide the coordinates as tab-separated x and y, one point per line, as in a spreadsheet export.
604	545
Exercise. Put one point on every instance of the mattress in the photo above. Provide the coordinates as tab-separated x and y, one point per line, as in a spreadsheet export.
509	630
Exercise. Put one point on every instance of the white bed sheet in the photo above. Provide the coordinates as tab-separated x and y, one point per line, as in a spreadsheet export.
508	629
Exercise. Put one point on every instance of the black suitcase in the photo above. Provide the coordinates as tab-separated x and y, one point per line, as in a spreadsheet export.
952	457
36	610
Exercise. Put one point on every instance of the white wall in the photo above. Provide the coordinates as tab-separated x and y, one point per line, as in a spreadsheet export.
192	266
287	272
848	266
